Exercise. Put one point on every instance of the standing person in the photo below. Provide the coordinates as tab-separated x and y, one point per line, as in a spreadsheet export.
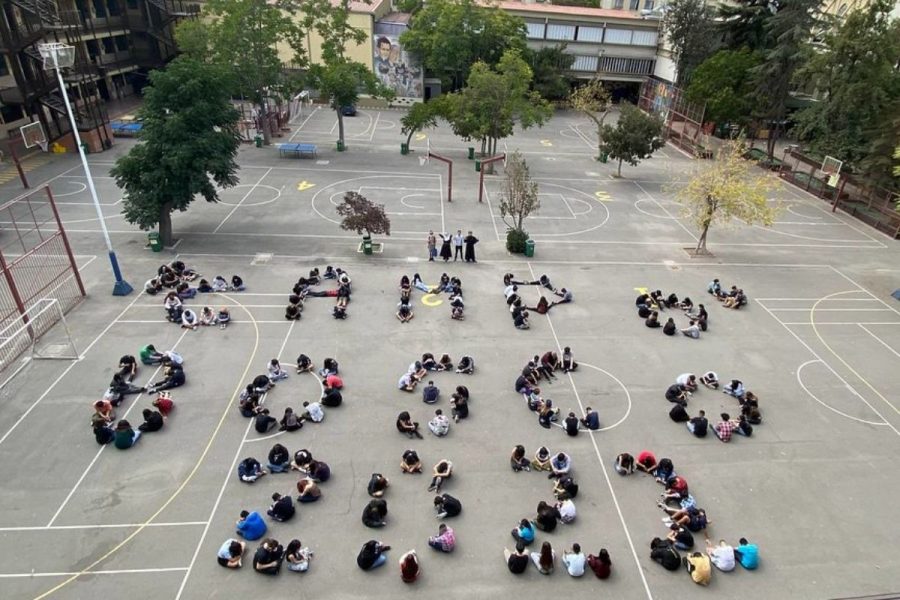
470	241
446	252
458	245
431	244
574	561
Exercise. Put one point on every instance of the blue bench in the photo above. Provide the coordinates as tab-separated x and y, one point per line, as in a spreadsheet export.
124	129
298	150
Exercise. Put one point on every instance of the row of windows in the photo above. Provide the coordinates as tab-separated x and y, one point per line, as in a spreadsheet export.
613	64
632	4
597	35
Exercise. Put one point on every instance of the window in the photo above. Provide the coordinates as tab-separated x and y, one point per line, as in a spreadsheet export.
535	31
4	67
113	7
560	32
634	4
644	38
11	112
585	63
121	43
648	4
132	4
617	4
627	66
99	9
590	34
108	45
842	10
617	36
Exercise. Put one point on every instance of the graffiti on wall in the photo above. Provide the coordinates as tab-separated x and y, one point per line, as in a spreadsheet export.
395	68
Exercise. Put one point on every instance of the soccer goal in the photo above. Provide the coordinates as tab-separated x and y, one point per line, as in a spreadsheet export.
35	335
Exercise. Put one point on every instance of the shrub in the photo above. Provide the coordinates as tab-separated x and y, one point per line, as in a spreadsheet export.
515	240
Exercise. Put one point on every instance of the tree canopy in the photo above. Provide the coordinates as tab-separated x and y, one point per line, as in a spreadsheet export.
855	72
730	188
518	199
594	101
187	147
494	101
636	136
689	27
549	65
450	36
421	116
724	83
361	214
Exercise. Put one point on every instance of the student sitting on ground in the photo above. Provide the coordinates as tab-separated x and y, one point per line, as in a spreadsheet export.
692	330
524	532
293	311
440	424
665	554
459	406
308	491
541	461
153	421
406	425
644	312
204	287
710	380
679	414
518	461
230	554
268	557
680	537
734	388
702	318
374	513
466	365
721	555
318	471
742	426
457	308
372	555
289	421
282	508
377	485
571	424
646	462
262	384
687	305
312	411
736	301
297	556
624	464
724	428
430	393
304	364
219	284
185	292
174	377
331	398
404	312
747	554
520	320
670	328
591	419
207	316
751	412
329	367
447	506
568	361
653	320
407	383
564	295
697	564
560	465
565	487
237	284
410	462
444	541
150	356
189	319
264	421
223	318
251	526
441	472
249	470
125	435
698	425
275	371
279	459
678	394
547	517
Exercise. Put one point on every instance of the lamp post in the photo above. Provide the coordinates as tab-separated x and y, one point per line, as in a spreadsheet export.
58	56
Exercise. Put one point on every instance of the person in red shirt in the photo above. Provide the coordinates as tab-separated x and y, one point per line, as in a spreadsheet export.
333	381
164	403
724	428
646	462
600	564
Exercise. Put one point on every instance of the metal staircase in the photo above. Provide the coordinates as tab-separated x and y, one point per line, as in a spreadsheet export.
46	10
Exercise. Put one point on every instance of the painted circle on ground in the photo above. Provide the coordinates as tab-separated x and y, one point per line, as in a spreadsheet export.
650	214
278	433
83	186
275	195
828	406
431	300
624	389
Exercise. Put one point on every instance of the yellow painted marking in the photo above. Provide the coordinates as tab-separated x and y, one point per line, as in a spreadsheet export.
420	137
603	196
431	300
642	290
304	185
546	143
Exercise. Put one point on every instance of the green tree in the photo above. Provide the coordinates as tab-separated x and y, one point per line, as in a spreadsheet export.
594	101
494	101
584	3
879	165
549	65
855	73
243	35
187	146
790	30
518	199
339	79
636	135
689	28
421	116
732	188
743	23
723	81
361	214
450	36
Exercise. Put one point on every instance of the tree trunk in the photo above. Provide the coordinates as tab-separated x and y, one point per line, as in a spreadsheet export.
409	137
701	242
619	173
165	224
264	123
340	118
483	142
770	143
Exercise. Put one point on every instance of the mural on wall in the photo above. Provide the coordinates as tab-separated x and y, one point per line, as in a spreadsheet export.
395	68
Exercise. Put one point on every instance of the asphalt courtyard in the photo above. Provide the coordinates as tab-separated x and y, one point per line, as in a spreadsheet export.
815	486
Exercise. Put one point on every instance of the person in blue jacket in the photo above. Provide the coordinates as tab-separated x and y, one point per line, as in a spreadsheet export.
251	525
747	554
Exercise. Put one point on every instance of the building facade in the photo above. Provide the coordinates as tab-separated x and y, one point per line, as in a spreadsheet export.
117	42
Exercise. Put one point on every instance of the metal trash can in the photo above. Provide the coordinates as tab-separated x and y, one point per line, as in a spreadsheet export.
404	148
604	157
471	153
258	141
367	245
340	146
154	242
529	248
477	166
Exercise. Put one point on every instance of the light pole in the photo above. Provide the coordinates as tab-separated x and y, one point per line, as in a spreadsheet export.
58	56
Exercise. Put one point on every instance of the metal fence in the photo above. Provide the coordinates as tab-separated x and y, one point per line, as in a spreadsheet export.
36	260
683	119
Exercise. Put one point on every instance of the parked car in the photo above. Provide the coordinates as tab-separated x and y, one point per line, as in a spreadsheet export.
348	111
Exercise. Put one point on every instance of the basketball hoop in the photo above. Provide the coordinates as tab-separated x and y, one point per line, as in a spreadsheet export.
33	135
57	55
831	170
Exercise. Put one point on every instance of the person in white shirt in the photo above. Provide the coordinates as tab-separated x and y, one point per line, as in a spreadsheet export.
440	424
312	412
173	357
710	379
457	240
722	556
688	380
574	561
692	330
566	510
189	319
276	373
560	464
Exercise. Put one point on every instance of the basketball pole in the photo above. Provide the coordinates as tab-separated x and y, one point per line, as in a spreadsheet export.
121	287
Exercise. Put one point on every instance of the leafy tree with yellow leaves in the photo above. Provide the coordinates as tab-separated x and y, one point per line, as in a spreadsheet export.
732	188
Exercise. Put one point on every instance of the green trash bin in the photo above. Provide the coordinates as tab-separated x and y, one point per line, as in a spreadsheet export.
85	147
604	157
471	153
529	248
477	166
258	141
367	245
404	148
154	242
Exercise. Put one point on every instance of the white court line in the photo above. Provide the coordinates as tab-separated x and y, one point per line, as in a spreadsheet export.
67	369
881	341
102	526
108	572
228	476
862	289
673	146
817	299
308	117
487	196
102	448
834	309
238	205
843	323
828	406
665	210
830	368
600	459
814	201
375	126
159	321
441	198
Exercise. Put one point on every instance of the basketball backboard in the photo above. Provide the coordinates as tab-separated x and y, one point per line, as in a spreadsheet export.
33	135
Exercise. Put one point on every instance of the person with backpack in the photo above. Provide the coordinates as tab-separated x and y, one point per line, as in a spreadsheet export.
663	552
